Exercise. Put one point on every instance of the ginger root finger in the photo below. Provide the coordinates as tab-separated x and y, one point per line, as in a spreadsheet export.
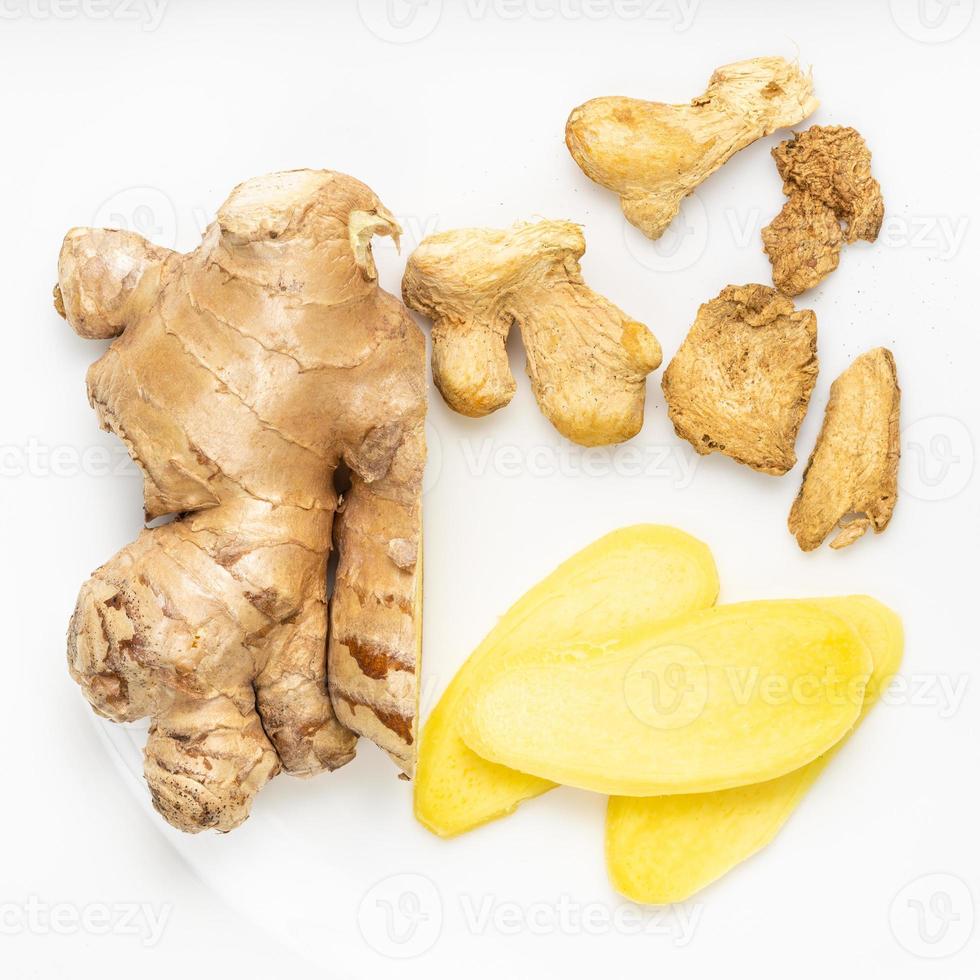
376	610
106	278
664	849
587	360
741	381
653	155
826	173
205	760
851	480
246	371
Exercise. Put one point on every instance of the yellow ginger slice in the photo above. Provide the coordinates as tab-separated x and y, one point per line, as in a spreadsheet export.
628	580
720	698
666	848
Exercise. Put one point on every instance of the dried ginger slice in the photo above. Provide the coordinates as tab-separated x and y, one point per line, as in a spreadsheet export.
742	379
826	173
851	481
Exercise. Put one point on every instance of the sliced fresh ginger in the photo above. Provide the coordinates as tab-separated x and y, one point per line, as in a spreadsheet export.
664	849
627	580
723	697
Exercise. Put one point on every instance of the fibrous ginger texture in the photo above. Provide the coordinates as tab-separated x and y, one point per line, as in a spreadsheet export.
663	849
241	376
629	579
587	360
826	173
851	481
670	709
653	155
741	381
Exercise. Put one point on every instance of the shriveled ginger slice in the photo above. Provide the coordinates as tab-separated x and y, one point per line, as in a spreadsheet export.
851	481
629	579
665	848
720	698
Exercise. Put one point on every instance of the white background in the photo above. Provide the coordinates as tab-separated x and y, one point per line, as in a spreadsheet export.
128	114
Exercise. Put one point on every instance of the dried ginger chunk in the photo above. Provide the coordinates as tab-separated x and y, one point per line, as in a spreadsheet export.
851	480
741	381
826	173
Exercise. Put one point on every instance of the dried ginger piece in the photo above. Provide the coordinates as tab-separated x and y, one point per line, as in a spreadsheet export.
851	481
742	379
653	155
587	360
826	174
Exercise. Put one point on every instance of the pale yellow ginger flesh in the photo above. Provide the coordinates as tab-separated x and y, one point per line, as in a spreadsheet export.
720	698
826	173
666	848
653	155
741	381
587	360
243	374
851	480
628	580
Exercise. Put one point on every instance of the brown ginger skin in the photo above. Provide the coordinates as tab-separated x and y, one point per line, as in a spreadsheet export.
242	375
741	381
826	173
851	481
587	360
653	154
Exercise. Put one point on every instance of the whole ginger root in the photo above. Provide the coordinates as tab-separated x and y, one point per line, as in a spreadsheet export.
653	155
826	173
241	376
587	360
